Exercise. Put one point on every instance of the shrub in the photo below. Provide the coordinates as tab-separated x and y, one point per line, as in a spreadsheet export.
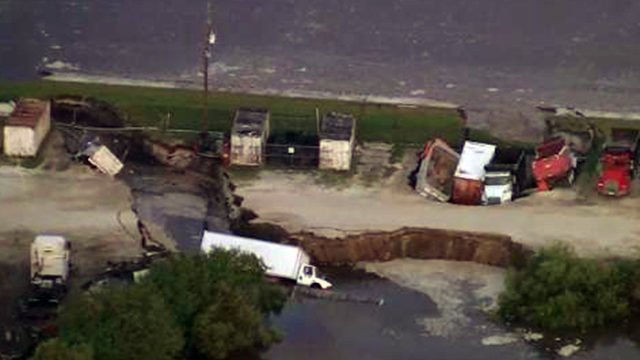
122	322
188	306
55	349
556	290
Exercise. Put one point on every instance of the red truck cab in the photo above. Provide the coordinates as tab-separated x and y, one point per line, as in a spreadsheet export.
616	170
554	161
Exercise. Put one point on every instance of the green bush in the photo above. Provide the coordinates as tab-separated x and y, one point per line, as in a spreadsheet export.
188	306
220	300
122	322
55	349
556	290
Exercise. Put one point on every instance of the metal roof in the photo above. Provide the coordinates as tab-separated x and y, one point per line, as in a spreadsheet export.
50	252
337	126
250	121
27	113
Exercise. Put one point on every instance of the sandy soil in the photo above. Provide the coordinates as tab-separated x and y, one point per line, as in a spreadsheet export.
297	202
91	210
76	203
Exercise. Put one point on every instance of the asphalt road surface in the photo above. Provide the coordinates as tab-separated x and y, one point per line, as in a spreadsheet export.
498	58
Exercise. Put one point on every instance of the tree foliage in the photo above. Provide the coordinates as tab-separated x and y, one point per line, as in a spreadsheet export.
122	322
222	295
187	306
55	349
556	290
231	323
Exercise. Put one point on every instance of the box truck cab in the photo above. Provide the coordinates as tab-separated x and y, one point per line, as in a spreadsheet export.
616	171
507	176
50	262
498	187
282	261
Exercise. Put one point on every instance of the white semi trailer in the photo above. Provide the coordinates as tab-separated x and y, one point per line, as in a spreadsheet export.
283	261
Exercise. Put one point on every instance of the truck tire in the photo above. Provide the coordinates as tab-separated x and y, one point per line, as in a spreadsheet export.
316	286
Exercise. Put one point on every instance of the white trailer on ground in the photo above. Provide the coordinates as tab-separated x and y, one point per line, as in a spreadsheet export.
103	159
283	261
50	262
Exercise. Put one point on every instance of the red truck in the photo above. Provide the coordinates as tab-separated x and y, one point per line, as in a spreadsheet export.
554	162
617	162
616	171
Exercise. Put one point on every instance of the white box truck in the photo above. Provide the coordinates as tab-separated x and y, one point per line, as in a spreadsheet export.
50	262
283	261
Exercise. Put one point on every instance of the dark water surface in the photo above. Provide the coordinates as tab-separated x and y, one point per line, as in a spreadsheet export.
322	329
491	54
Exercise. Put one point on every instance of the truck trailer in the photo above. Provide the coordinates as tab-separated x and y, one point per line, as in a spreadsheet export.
438	163
282	261
470	173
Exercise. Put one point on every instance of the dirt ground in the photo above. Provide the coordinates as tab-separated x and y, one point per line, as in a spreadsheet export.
297	202
91	210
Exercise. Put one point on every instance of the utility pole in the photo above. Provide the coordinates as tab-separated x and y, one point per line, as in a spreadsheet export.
209	40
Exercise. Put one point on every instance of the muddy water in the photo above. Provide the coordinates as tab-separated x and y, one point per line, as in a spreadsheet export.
321	329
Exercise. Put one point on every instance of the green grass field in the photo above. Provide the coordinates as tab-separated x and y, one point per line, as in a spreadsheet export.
149	107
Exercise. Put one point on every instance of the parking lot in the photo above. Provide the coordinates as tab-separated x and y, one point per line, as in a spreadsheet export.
92	211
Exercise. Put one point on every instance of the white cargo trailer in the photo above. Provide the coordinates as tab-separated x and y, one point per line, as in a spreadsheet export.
283	261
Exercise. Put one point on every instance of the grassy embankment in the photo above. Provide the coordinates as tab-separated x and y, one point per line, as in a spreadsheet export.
404	127
149	106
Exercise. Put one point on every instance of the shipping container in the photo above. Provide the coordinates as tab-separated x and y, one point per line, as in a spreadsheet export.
470	173
438	163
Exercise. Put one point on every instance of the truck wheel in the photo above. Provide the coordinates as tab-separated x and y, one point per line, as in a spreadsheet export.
315	286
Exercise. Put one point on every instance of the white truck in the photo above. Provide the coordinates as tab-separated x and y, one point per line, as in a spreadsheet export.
283	261
50	263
